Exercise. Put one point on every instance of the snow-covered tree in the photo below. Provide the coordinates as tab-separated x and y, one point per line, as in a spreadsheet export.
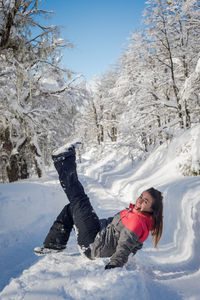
173	33
154	72
30	110
100	115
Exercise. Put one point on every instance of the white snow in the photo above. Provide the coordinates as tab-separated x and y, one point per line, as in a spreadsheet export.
197	70
28	208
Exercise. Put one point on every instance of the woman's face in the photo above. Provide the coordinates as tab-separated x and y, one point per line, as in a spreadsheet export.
144	202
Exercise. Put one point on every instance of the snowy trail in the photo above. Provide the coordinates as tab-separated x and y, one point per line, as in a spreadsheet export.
27	210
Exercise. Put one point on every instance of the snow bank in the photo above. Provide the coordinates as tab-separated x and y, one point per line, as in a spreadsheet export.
28	208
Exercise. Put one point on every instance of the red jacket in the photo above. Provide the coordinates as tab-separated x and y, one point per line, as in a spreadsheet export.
125	234
137	222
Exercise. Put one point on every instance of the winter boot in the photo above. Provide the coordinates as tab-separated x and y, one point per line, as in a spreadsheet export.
65	151
43	250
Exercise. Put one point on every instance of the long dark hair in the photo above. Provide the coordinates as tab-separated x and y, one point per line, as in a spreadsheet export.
157	207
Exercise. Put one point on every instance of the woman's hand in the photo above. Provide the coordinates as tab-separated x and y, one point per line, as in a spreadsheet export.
109	266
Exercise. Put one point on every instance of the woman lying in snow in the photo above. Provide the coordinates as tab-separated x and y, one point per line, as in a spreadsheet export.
114	237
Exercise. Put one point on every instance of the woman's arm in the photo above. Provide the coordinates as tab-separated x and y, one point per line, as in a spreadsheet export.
128	243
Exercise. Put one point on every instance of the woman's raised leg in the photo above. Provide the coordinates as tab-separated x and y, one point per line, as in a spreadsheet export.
85	220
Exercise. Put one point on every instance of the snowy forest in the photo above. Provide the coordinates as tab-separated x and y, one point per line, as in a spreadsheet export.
139	125
150	96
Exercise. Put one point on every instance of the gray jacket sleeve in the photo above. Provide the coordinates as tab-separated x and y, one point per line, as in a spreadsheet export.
128	243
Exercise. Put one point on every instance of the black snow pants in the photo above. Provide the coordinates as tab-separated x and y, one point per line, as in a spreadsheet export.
78	213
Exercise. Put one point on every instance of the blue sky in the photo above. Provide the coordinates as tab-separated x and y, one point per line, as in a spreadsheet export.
98	29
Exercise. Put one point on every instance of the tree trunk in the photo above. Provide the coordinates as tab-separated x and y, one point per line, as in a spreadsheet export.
113	134
13	169
100	134
187	116
8	24
174	85
99	127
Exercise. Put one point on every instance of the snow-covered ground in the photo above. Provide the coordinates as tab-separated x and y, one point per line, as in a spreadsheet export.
28	208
